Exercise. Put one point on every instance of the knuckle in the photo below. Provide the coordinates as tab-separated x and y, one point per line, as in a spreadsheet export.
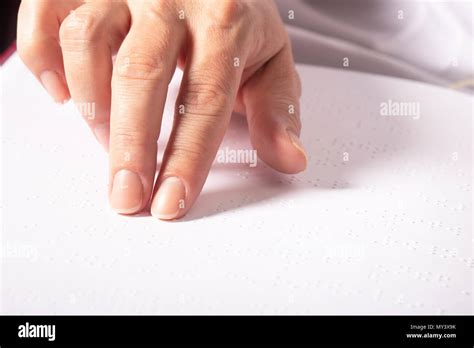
130	137
189	154
287	82
229	21
193	143
159	8
140	66
28	51
79	29
295	123
204	95
289	110
227	13
293	118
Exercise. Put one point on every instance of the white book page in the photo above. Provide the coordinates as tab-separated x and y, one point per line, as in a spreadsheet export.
381	221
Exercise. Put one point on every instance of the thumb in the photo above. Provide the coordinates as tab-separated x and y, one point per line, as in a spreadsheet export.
271	99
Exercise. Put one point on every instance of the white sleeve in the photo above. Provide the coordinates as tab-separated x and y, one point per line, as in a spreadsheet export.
423	40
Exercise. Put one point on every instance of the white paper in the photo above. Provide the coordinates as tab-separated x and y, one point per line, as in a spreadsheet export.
389	230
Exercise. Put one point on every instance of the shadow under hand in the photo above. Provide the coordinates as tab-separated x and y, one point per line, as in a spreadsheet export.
344	135
234	186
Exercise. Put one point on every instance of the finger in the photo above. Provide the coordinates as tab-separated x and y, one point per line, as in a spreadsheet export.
38	42
271	98
143	69
203	108
89	36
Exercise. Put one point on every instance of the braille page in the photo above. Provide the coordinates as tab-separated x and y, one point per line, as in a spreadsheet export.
379	223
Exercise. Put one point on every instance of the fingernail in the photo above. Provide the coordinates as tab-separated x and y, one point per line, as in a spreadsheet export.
54	85
169	200
127	191
102	133
297	143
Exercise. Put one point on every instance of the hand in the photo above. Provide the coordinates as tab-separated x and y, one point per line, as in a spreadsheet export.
235	55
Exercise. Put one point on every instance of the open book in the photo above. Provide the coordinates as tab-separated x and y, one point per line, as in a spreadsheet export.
379	223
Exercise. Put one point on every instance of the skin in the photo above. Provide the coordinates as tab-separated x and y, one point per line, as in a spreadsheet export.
235	55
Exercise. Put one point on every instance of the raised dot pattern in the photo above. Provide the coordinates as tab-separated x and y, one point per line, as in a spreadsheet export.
379	223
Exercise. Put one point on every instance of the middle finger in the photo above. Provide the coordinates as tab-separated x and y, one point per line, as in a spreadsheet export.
144	67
